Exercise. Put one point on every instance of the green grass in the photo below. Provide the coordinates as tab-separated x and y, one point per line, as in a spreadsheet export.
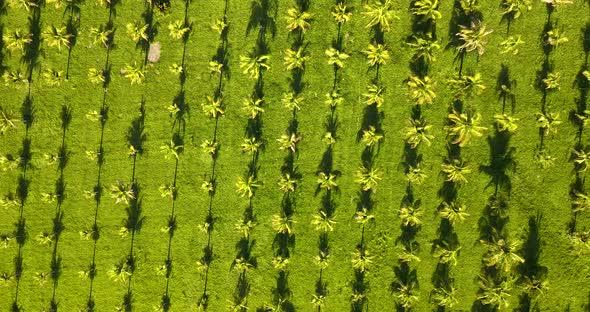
534	190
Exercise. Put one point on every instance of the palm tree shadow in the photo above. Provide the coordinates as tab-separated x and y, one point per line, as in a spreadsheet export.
263	14
33	50
501	160
2	66
136	136
504	86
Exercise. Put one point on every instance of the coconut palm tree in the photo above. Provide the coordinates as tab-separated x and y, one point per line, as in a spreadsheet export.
212	107
469	6
555	38
171	150
16	77
7	121
253	66
210	147
374	95
444	296
247	186
215	67
361	259
244	227
252	107
53	77
280	263
220	25
555	3
455	171
242	264
318	301
368	178
534	286
426	10
548	122
178	30
283	224
581	158
45	238
551	83
341	13
334	98
137	31
415	175
102	34
463	126
506	123
466	85
510	45
423	47
327	181
405	297
16	40
96	76
120	272
289	142
23	4
580	202
295	59
417	132
421	90
322	222
287	183
292	101
371	137
453	211
134	73
494	294
380	14
377	54
336	57
473	38
515	8
250	145
122	193
410	213
445	254
502	254
57	37
322	259
298	20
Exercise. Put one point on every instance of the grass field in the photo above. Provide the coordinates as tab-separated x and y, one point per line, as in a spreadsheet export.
182	252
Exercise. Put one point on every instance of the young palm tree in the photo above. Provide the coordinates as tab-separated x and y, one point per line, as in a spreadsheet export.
506	123
215	67
45	238
213	107
494	294
242	264
296	59
502	255
377	54
444	296
341	13
178	30
466	85
469	6
426	10
421	90
7	121
53	77
322	222
120	272
280	264
405	297
515	8
371	137
220	25
245	227
446	255
327	181
380	14
96	76
453	211
417	132
247	186
254	65
368	178
510	45
334	98
463	126
581	158
167	190
250	145
292	101
551	83
16	77
473	38
374	95
363	217
555	3
252	107
580	202
318	301
336	57
102	34
283	224
171	150
555	38
57	37
137	31
361	260
23	4
411	213
16	40
289	142
298	20
415	175
548	122
134	73
122	193
423	47
287	183
455	171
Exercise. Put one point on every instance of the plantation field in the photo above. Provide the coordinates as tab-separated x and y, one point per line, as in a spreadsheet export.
294	155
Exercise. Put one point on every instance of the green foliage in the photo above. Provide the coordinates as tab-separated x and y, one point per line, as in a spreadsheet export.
253	66
298	20
380	14
463	126
421	90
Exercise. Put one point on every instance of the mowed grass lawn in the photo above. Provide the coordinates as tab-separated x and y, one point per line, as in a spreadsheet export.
534	191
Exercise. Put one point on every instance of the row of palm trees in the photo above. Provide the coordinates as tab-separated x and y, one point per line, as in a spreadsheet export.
218	66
